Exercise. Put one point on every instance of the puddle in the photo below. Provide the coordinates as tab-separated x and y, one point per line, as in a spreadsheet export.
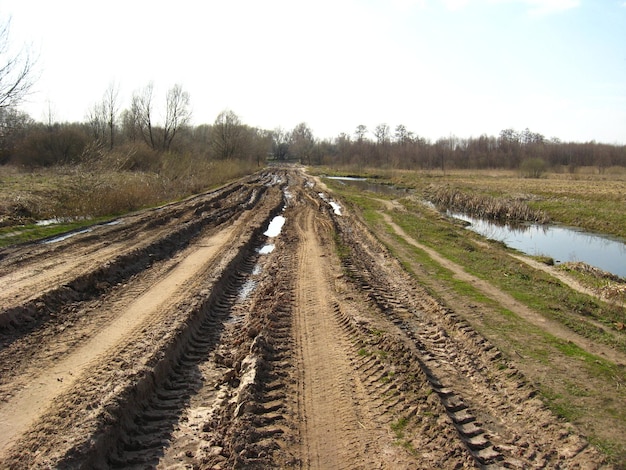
276	180
249	285
66	236
560	243
336	207
288	197
246	289
345	178
275	226
267	249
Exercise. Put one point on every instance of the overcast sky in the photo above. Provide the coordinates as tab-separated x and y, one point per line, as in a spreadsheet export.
439	67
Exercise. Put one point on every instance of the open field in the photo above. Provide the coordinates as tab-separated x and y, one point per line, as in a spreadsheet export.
365	337
80	195
588	200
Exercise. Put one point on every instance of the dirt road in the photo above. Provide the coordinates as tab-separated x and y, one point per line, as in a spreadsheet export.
184	337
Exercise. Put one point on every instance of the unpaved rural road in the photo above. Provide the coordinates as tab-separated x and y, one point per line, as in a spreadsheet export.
184	337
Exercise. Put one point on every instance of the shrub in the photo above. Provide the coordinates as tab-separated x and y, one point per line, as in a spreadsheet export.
532	167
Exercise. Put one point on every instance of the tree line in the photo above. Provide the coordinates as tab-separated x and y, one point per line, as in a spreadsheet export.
133	133
511	149
24	141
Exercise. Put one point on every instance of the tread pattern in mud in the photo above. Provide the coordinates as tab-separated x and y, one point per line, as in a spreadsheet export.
490	404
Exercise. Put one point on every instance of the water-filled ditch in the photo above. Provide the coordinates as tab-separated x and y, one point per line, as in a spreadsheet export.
558	242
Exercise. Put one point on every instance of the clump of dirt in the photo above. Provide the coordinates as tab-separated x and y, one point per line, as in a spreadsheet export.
608	286
593	271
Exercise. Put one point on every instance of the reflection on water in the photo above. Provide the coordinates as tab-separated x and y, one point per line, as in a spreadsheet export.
561	243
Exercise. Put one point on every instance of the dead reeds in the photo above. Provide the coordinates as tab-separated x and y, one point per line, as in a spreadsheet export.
607	285
486	207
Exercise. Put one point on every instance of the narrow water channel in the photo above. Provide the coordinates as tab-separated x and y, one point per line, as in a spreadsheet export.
560	243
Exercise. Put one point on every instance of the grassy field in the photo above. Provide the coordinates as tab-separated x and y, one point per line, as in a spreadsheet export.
591	201
79	195
578	384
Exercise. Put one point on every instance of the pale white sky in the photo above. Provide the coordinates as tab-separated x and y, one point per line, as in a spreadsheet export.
439	67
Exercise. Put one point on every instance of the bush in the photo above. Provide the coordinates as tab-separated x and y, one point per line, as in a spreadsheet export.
532	167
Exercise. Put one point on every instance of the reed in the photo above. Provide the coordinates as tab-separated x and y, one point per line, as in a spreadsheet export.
484	206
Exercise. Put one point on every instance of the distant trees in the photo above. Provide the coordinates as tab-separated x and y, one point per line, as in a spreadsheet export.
132	138
14	125
530	152
145	136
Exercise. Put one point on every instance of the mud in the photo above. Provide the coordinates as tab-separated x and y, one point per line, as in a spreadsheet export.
170	340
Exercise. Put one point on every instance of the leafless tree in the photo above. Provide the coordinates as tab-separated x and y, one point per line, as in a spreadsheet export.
177	113
403	135
96	119
110	108
381	132
302	142
360	132
141	112
17	71
226	135
280	143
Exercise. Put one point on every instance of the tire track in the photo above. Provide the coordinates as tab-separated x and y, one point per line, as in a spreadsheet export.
34	289
111	405
490	404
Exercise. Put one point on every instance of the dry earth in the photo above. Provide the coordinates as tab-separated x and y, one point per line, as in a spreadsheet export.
172	339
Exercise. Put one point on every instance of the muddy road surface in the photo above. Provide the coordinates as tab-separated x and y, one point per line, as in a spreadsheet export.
186	337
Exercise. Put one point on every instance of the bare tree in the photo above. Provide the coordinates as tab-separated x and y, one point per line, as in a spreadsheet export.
302	142
110	108
102	116
280	143
141	112
226	135
96	119
177	113
16	71
360	132
403	136
381	132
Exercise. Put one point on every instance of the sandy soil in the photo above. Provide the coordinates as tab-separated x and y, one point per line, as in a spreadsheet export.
169	340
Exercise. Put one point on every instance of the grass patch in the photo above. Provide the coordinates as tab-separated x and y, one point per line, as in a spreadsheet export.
399	426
